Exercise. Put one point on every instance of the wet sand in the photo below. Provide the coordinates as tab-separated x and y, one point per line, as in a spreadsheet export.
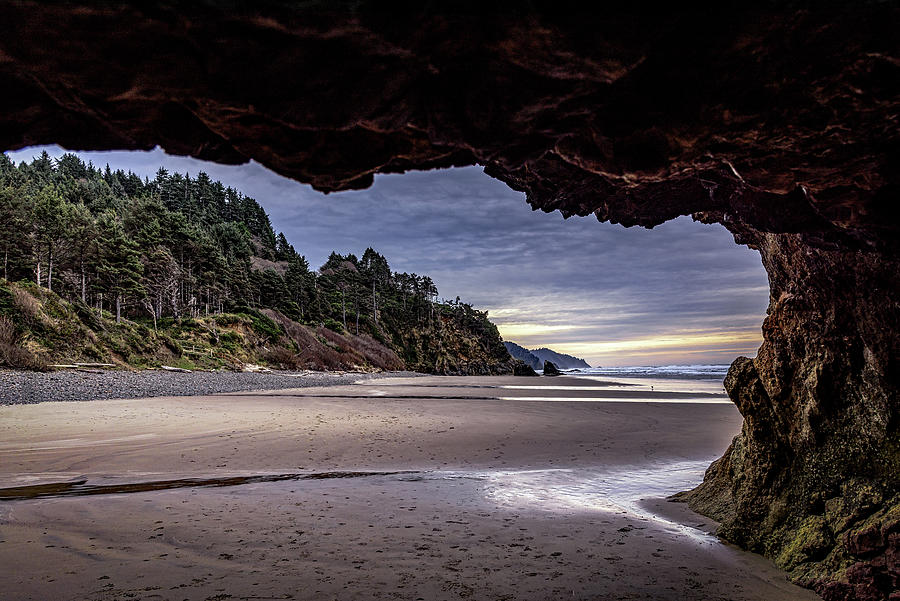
426	488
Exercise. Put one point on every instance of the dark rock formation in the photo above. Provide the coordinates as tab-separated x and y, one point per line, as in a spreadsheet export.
523	369
781	123
875	572
550	369
819	453
457	347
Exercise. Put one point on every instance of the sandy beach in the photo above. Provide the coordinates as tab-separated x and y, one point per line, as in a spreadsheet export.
401	488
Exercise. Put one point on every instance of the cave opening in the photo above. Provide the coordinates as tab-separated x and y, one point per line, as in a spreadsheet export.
680	294
776	121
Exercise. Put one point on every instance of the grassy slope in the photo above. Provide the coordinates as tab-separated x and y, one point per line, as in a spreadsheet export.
38	328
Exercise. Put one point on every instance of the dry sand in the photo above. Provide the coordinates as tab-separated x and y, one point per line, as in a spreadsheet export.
500	499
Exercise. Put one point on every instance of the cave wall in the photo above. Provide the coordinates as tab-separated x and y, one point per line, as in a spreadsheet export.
778	121
813	478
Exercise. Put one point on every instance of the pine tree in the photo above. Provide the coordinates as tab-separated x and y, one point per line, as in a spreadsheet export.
119	268
82	239
298	280
50	220
69	166
41	168
14	219
283	250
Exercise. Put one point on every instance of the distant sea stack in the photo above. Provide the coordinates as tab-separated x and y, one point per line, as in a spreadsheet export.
536	357
550	369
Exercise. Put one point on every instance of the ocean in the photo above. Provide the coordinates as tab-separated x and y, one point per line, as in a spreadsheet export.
704	378
681	372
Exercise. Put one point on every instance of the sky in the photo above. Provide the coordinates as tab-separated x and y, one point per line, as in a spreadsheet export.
681	293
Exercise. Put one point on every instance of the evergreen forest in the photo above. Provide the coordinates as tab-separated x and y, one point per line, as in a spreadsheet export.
99	264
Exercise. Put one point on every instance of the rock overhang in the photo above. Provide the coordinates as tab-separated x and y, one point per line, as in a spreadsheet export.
763	117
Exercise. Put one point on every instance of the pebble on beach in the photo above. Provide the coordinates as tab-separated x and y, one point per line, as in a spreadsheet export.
24	387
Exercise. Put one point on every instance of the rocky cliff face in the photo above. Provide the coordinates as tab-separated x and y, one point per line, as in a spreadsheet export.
457	341
779	122
816	467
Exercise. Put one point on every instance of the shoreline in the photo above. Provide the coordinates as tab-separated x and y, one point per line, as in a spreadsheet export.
386	489
20	387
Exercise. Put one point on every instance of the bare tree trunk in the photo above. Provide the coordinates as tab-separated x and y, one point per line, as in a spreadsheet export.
180	287
189	289
344	309
38	273
5	264
118	308
374	303
148	304
318	298
50	269
83	285
174	300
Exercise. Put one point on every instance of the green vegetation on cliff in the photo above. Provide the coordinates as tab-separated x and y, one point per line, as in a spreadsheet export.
100	265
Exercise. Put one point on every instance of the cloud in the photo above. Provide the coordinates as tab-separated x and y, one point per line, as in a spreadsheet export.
615	295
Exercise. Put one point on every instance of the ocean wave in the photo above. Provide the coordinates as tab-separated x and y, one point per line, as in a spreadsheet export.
656	371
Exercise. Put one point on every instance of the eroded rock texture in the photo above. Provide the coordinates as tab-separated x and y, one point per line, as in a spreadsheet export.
817	463
779	122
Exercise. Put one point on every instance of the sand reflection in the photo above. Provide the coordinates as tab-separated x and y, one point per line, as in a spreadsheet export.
619	490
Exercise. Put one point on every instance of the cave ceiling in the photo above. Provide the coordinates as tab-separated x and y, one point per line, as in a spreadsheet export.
762	117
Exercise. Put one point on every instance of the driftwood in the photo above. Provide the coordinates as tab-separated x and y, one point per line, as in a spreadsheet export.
178	369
